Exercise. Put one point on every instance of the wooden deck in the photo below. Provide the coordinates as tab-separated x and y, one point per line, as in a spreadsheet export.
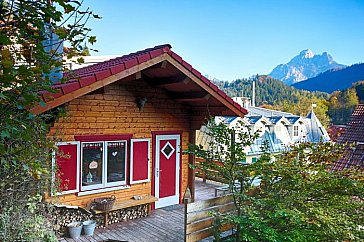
165	224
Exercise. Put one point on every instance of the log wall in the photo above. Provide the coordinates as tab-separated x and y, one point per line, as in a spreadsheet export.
114	111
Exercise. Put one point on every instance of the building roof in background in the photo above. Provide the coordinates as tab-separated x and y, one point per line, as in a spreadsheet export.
316	132
266	112
354	133
229	119
253	119
275	119
293	119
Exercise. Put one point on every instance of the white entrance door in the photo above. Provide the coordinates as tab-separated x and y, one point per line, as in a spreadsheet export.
166	173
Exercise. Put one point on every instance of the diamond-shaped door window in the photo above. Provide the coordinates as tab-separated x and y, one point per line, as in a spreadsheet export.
168	150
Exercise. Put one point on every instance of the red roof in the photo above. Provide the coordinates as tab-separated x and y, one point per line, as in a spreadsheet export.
354	133
86	76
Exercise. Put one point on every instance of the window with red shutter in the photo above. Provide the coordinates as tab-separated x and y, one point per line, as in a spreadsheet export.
139	161
66	163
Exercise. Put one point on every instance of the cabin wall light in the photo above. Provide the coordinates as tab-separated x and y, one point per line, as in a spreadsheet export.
140	102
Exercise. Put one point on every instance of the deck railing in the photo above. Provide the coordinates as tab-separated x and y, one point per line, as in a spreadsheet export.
199	220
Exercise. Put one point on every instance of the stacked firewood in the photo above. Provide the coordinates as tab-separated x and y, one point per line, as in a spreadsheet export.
63	215
118	216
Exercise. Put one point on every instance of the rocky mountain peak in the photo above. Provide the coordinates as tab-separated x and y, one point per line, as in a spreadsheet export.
306	54
303	66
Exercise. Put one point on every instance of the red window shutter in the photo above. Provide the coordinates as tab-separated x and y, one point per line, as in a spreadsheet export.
139	161
67	159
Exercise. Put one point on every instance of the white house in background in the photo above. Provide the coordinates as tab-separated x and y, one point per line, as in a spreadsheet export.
279	129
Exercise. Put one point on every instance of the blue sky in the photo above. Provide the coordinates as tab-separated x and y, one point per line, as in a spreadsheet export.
232	39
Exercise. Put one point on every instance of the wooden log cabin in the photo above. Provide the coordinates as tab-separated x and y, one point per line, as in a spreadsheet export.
127	122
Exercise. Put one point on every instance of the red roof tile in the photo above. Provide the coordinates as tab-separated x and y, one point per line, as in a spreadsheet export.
143	58
102	74
187	65
130	63
118	68
196	73
176	57
70	87
87	80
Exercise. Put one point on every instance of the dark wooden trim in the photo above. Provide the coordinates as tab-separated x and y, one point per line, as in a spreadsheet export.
191	161
162	82
189	96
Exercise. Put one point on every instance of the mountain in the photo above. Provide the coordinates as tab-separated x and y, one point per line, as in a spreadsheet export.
333	80
304	66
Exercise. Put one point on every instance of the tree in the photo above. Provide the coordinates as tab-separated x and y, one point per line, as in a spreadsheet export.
28	63
342	104
293	197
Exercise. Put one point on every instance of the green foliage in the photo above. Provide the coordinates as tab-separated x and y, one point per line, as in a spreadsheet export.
359	88
293	197
343	103
25	68
31	223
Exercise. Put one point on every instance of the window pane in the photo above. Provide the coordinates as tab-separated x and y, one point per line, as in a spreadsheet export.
295	130
92	163
116	161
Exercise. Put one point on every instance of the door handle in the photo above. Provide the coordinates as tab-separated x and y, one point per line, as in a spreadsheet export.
157	172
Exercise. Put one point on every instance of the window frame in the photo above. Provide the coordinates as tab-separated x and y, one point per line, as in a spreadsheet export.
295	130
116	183
104	184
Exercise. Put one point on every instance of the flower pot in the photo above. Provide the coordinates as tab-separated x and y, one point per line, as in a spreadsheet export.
89	227
75	229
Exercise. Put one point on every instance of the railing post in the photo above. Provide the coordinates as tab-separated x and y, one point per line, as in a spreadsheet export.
186	200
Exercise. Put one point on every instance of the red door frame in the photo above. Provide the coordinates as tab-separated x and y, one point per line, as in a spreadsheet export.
154	135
